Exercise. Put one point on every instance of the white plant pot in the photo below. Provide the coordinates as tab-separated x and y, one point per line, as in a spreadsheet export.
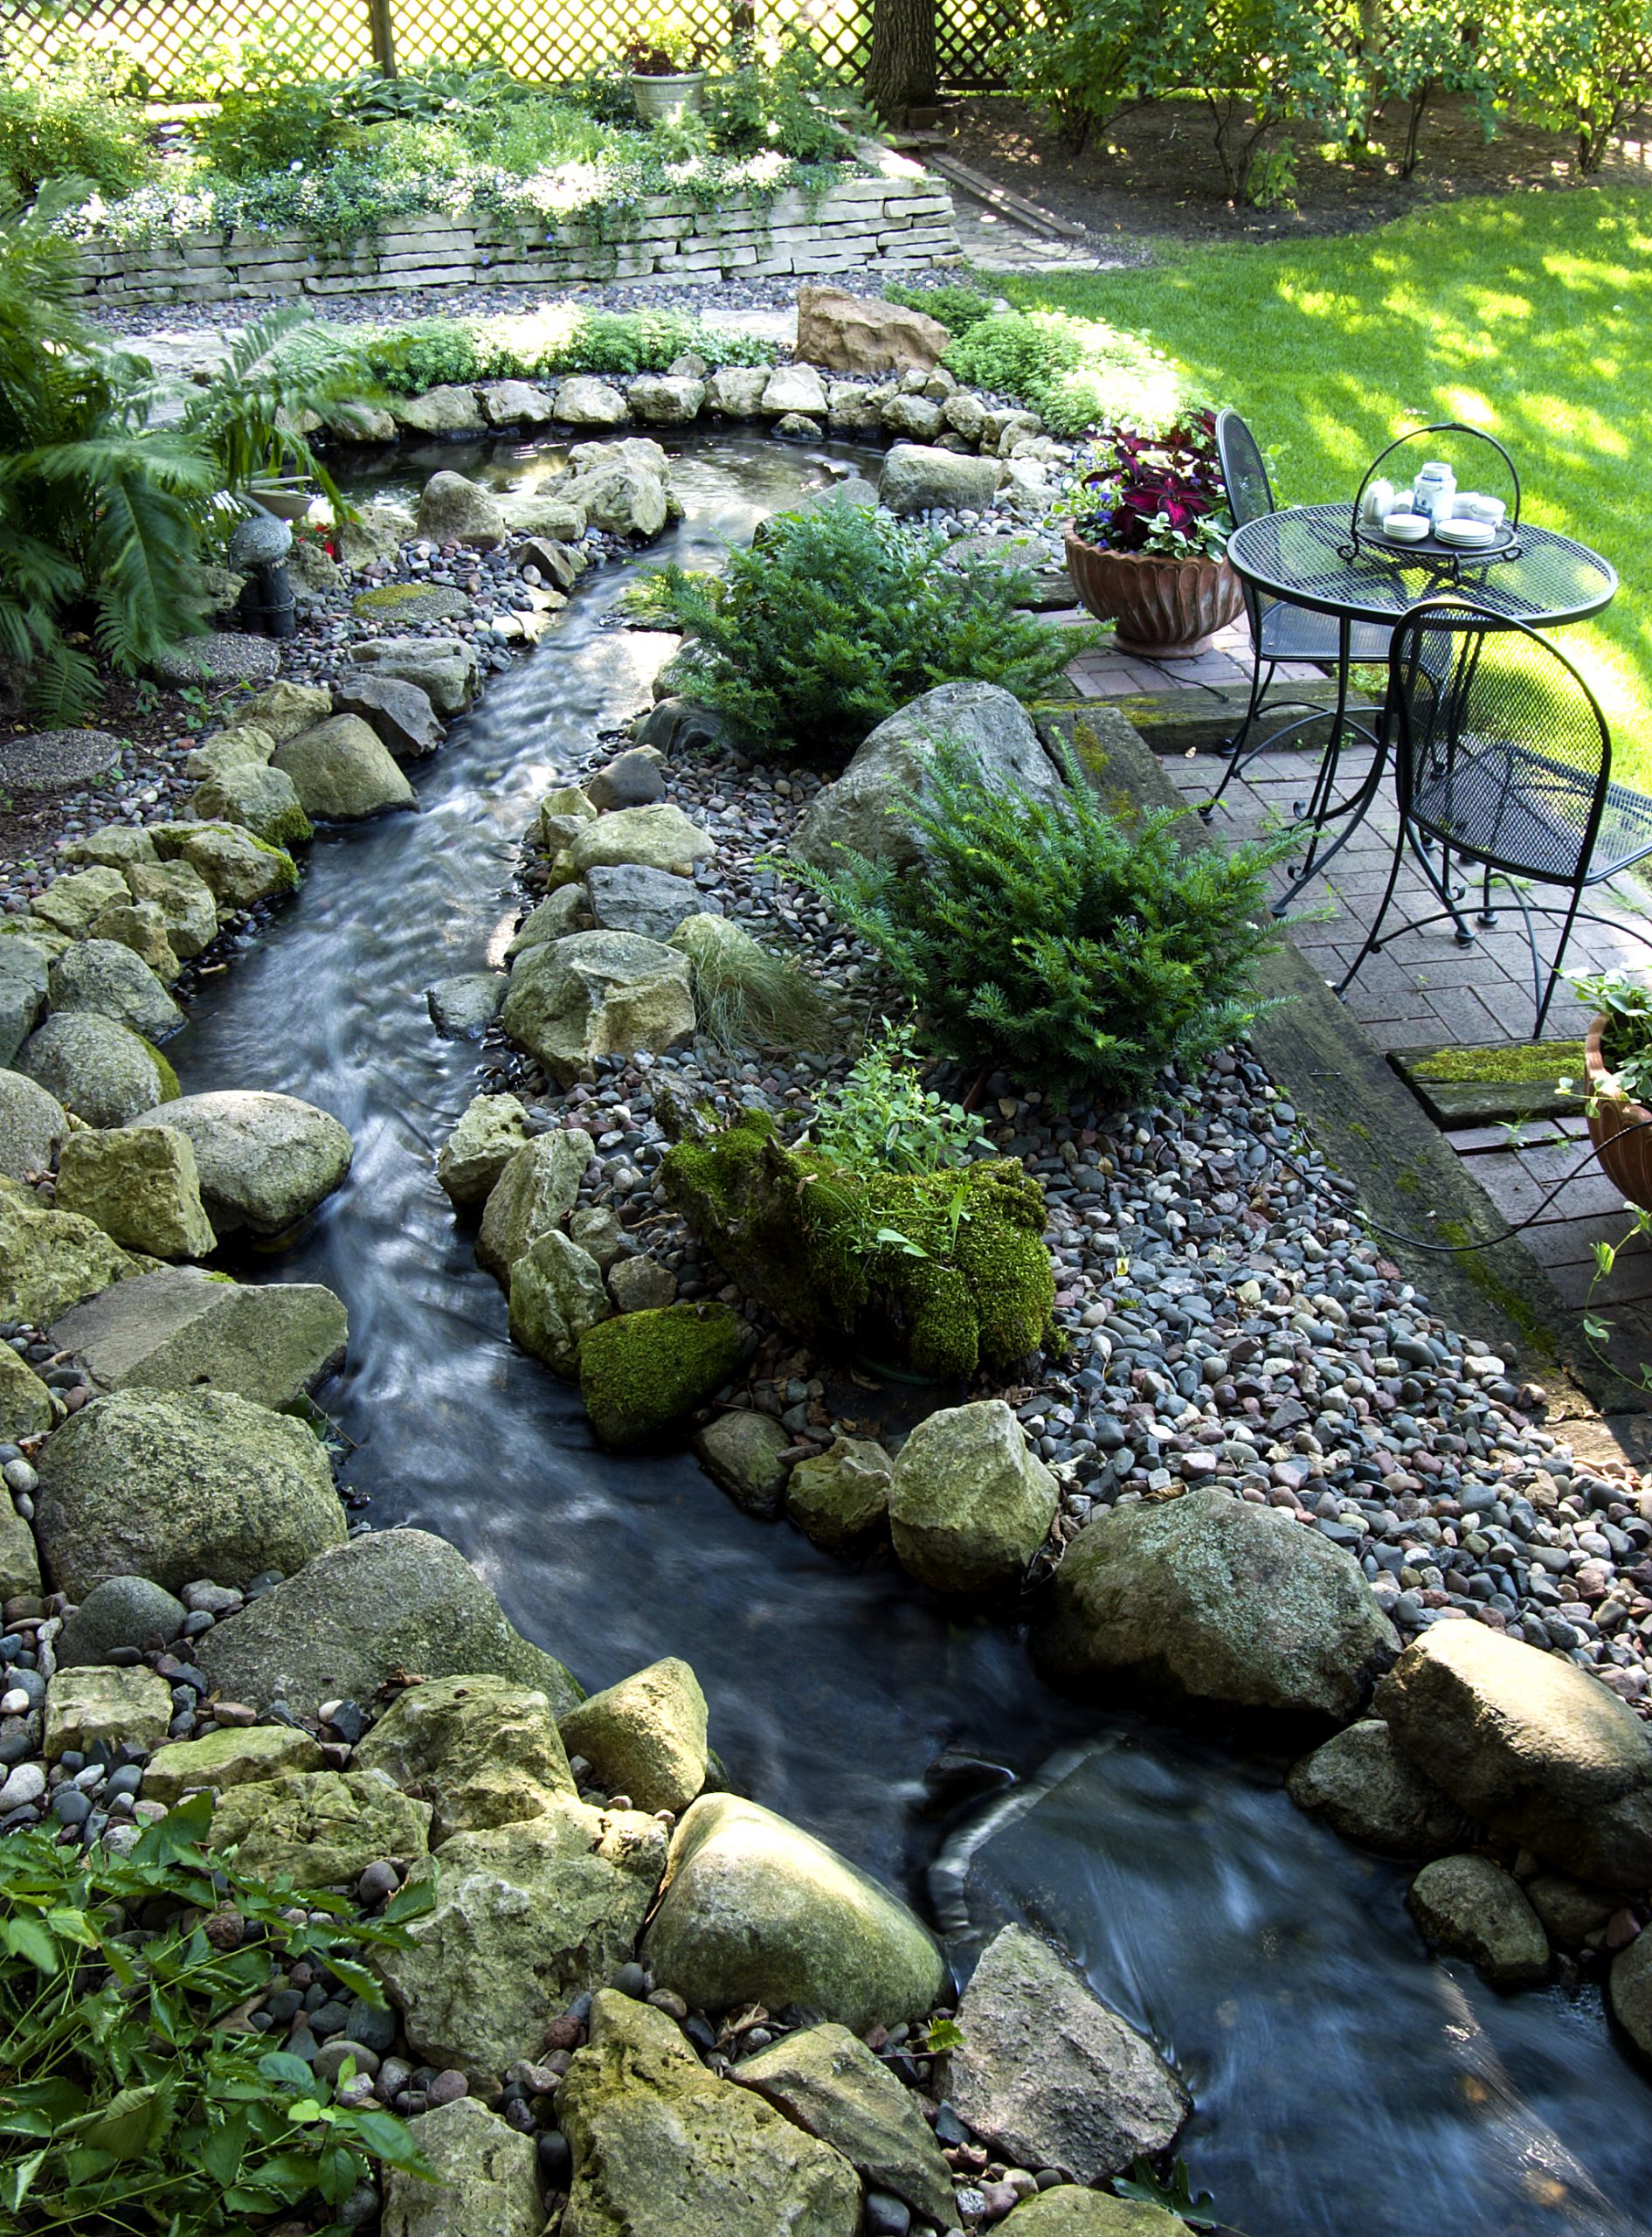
658	100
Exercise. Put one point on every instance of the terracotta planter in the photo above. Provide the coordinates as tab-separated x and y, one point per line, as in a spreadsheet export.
1621	1130
1167	607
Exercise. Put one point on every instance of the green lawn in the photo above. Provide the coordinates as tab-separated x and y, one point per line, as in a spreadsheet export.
1530	316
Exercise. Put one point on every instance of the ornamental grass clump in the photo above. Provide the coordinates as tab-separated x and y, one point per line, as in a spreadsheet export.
1062	944
808	641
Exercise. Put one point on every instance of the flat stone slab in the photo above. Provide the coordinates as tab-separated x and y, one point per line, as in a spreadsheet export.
50	761
179	1330
222	656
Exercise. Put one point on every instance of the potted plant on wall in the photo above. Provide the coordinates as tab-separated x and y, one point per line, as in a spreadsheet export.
666	60
1146	530
1617	1059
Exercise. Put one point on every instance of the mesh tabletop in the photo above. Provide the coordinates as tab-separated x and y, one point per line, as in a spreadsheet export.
1297	556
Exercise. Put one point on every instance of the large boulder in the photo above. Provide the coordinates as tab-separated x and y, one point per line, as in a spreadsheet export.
321	1828
343	771
598	994
138	1184
835	1497
491	1130
176	1485
968	1504
447	669
869	808
265	799
623	495
49	1260
378	532
642	1372
101	1071
793	388
284	708
107	979
585	401
737	390
750	1455
624	897
485	2181
833	2086
23	997
1361	1785
269	1342
185	901
26	1403
854	334
756	1911
657	838
917	478
1529	1745
645	1737
527	1916
1049	2074
391	1602
69	905
667	399
123	1611
239	869
33	1125
1206	1598
535	1192
556	1292
463	1007
1471	1908
453	511
483	1751
140	926
918	418
265	1160
662	2148
399	714
449	409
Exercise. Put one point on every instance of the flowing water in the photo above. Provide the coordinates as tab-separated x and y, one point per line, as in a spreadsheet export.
1344	2083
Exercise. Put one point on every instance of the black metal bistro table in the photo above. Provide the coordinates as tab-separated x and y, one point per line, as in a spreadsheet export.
1310	557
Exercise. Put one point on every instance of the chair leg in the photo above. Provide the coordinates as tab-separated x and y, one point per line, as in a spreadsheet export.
1440	880
1235	745
1547	996
1373	938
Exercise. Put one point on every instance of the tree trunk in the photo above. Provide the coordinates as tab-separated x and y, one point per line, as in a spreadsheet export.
900	72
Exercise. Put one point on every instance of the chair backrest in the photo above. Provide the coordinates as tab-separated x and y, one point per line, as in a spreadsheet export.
1501	749
1249	492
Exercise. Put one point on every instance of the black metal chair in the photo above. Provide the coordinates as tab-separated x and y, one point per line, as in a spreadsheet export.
1278	631
1503	760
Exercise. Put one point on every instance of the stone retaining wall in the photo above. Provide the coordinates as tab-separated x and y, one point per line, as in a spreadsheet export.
899	217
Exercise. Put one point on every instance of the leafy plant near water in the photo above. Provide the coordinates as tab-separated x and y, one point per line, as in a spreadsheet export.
124	2104
883	1119
1078	373
959	308
841	615
427	353
1061	943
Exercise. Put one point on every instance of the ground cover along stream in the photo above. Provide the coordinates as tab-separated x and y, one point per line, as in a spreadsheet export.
1346	2083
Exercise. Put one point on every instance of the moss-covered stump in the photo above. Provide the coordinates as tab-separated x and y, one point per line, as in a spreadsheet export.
945	1271
644	1372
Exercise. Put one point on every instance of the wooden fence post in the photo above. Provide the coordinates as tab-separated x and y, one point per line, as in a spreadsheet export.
381	30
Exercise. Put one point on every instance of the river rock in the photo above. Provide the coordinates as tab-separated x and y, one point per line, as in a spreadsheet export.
109	979
657	838
1066	2210
1569	1909
19	1563
854	334
69	904
400	714
737	390
462	1007
535	1192
447	669
237	1755
633	779
265	799
835	1497
269	1342
33	1125
95	1707
344	772
756	1911
391	1601
833	2086
1361	1785
447	410
239	869
919	479
641	1373
1469	1906
627	898
566	911
184	900
483	1750
101	1071
793	388
138	1184
547	513
241	745
140	926
641	1285
378	532
920	419
527	1916
645	1736
26	1403
49	1260
23	1001
968	1504
556	1292
1207	1598
584	401
265	1160
868	808
453	511
662	2148
598	994
667	399
123	1611
176	1485
1049	2074
623	497
1630	1990
750	1455
490	1131
484	2185
284	708
1529	1745
516	404
321	1828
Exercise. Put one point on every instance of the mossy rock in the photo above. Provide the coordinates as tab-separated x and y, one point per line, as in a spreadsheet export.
409	602
643	1371
802	1237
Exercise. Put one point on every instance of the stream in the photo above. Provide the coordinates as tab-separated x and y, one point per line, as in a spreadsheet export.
1344	2083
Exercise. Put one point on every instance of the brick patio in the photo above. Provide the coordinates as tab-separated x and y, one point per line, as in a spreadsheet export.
1427	989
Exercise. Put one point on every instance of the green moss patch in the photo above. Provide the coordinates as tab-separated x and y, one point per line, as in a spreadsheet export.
409	602
642	1372
1543	1061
